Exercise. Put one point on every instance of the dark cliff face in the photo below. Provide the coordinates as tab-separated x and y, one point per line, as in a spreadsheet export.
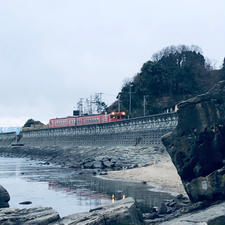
197	145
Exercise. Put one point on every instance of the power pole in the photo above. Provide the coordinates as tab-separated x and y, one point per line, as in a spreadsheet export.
100	100
130	100
100	96
144	103
91	101
119	102
80	106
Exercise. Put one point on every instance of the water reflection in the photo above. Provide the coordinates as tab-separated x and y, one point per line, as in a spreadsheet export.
65	189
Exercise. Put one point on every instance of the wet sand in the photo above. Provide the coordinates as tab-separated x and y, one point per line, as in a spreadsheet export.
162	175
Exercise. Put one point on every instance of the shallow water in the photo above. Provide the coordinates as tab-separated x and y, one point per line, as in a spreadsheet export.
64	189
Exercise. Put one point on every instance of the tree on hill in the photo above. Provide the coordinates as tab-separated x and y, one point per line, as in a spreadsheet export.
223	69
32	123
173	74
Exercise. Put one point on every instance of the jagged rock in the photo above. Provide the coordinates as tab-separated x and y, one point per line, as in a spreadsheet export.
123	212
107	163
150	216
162	208
98	165
35	216
144	206
197	145
214	215
4	197
88	165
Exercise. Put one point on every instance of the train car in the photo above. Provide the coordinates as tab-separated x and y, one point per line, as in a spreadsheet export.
116	116
58	122
86	120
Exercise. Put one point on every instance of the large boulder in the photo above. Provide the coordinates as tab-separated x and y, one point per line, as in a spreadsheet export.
123	212
4	197
197	145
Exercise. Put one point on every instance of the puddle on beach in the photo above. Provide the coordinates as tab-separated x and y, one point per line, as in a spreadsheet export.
64	189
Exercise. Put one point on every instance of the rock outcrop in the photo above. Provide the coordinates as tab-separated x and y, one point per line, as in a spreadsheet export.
197	145
35	216
4	197
214	215
123	212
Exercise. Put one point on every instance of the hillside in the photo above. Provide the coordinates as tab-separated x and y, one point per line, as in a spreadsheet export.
174	74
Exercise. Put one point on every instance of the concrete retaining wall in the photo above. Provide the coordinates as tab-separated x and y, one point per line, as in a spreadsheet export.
139	131
7	139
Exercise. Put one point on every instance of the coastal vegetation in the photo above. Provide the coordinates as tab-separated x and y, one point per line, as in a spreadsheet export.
174	74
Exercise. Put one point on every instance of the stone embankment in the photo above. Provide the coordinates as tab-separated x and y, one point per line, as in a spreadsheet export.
144	131
87	157
124	144
6	139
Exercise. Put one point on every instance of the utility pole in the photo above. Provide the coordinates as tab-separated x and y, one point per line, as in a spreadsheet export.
100	96
91	101
144	103
130	99
80	106
119	102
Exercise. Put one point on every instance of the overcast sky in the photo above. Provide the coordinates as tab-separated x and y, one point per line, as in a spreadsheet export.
53	52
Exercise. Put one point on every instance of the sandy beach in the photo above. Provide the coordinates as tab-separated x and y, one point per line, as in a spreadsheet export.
161	174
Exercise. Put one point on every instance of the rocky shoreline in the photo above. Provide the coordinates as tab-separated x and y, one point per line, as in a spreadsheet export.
167	211
196	147
97	159
126	212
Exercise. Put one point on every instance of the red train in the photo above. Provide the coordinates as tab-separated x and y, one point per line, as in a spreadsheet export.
86	120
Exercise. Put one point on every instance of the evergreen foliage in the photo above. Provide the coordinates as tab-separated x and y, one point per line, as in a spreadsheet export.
174	74
223	68
31	122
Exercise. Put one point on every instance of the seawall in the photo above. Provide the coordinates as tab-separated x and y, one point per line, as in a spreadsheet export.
144	131
6	139
125	144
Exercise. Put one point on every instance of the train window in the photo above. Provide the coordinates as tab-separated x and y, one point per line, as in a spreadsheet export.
118	117
123	116
112	117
